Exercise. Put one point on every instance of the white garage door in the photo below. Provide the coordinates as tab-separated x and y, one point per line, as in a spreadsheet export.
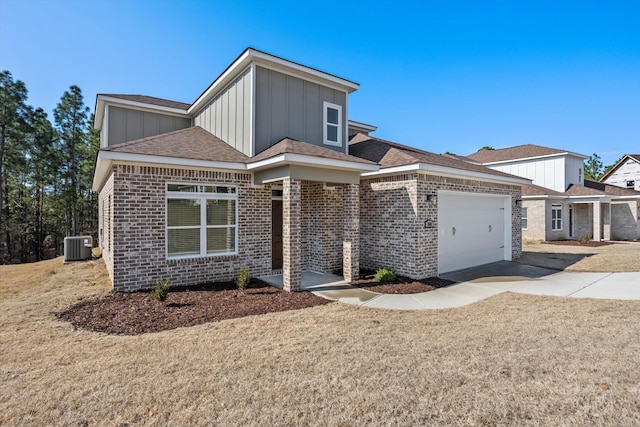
473	229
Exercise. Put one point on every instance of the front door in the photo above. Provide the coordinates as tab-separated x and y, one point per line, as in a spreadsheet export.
276	234
571	222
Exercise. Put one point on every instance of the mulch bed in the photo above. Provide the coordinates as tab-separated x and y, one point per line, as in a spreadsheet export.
137	313
402	285
589	244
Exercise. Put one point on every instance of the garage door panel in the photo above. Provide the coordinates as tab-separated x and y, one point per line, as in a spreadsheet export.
471	230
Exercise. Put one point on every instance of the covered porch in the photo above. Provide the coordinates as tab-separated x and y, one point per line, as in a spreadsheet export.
315	210
590	217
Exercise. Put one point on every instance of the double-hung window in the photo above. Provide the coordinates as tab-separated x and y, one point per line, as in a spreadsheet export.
556	217
525	219
201	220
332	120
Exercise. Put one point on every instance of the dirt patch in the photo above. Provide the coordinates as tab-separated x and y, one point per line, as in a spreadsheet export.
402	285
138	313
602	257
589	244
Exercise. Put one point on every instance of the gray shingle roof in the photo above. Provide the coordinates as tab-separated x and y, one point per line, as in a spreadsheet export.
190	143
390	154
292	146
513	153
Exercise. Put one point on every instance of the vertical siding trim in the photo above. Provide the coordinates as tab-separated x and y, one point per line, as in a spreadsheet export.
345	123
105	125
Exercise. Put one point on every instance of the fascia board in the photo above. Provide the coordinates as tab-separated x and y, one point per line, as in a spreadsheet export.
269	61
265	58
174	161
625	197
99	113
100	174
143	106
546	156
360	125
450	172
301	159
544	196
591	198
106	158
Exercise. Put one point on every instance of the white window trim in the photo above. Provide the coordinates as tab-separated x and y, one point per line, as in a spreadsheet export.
325	141
557	220
203	215
526	218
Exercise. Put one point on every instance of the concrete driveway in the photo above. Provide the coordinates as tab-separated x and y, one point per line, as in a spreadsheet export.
527	279
478	283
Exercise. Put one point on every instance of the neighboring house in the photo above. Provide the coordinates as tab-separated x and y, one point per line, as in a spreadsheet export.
561	204
625	173
265	170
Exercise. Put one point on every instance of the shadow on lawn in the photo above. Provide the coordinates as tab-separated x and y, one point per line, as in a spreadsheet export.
556	261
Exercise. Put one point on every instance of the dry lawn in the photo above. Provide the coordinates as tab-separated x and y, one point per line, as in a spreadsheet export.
509	360
618	257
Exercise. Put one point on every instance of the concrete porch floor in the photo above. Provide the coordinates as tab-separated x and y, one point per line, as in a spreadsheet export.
310	280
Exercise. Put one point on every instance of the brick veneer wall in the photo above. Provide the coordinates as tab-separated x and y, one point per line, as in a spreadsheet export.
322	227
625	224
392	214
583	220
537	220
139	211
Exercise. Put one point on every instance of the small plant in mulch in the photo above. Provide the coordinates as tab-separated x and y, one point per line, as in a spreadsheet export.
384	275
161	290
242	281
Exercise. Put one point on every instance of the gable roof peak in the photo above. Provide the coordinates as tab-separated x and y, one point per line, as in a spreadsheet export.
518	152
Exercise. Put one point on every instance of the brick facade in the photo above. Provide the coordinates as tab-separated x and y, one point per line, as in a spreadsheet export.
625	220
322	227
379	223
139	228
393	210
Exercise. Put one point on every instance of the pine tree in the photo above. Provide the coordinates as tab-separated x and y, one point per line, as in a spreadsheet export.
13	113
71	122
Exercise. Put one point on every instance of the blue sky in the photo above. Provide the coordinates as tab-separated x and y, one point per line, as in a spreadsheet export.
440	75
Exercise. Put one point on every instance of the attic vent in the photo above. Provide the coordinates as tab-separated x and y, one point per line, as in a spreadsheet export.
77	248
631	184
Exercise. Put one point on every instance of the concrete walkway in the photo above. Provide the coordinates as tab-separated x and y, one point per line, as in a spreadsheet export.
478	283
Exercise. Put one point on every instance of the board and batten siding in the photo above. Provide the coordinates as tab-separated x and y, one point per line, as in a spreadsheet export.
548	173
126	124
228	115
287	106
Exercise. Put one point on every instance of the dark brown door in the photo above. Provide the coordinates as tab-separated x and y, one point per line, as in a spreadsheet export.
276	234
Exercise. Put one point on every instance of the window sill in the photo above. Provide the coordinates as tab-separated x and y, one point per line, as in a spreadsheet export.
196	259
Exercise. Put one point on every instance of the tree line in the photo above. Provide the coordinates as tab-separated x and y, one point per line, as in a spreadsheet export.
46	170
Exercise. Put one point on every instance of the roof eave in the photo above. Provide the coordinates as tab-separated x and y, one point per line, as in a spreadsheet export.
312	161
450	172
106	158
565	153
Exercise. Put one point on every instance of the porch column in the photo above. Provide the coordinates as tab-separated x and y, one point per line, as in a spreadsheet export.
606	221
597	222
291	232
351	232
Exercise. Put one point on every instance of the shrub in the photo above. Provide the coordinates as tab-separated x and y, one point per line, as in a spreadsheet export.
242	281
384	275
161	291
